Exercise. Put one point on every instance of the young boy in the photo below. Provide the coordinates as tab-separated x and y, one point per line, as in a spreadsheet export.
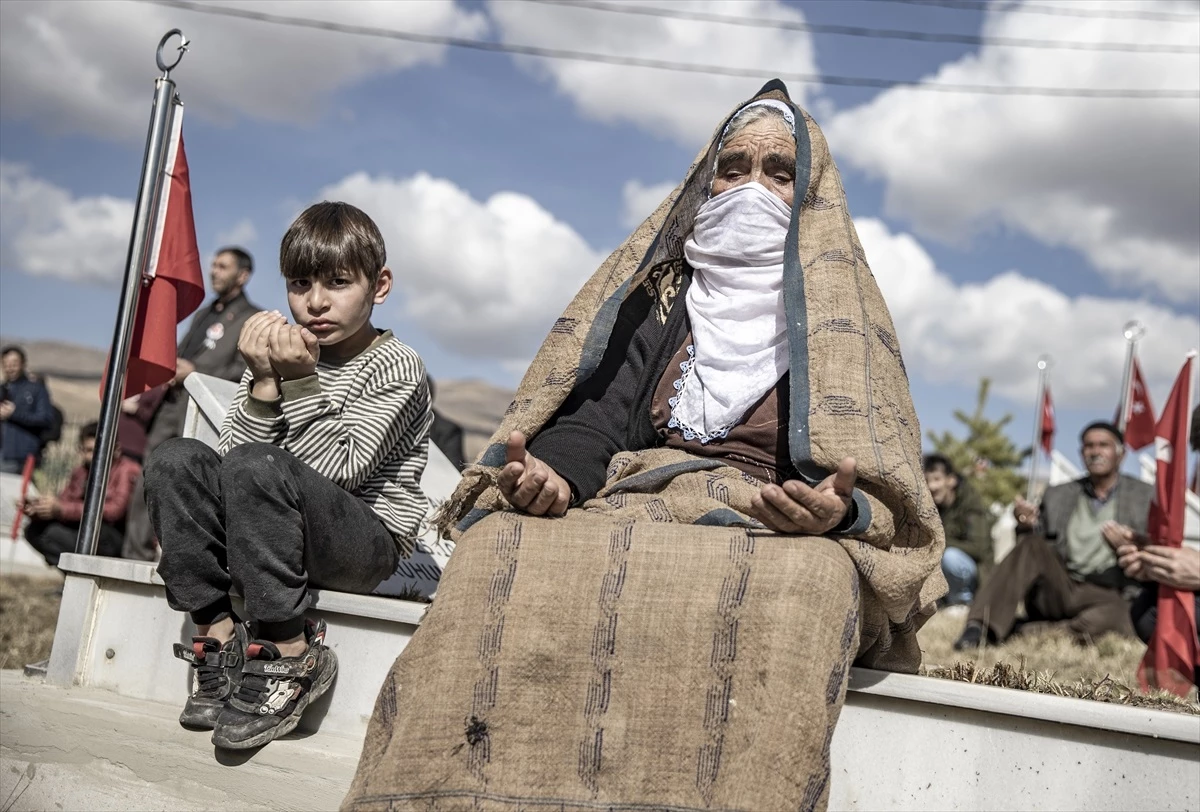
317	483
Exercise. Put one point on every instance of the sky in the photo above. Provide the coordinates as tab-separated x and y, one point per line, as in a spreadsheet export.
999	227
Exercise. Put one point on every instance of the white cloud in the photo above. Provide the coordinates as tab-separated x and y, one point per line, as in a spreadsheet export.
639	200
49	232
241	233
75	66
954	333
683	106
485	279
1117	181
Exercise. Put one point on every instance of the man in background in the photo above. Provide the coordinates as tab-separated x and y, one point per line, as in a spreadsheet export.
25	413
1064	567
968	527
54	520
210	348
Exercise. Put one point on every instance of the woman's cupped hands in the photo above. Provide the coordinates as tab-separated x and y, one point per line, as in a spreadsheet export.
799	509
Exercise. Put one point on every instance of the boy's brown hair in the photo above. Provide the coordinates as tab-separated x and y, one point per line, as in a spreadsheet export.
329	238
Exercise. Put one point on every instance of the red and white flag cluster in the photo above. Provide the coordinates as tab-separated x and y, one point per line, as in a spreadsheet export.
1173	653
1136	413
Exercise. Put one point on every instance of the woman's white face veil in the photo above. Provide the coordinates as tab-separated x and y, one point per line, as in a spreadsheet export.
735	303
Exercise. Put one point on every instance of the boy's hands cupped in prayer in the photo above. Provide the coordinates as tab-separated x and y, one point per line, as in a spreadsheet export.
530	484
293	351
796	508
253	343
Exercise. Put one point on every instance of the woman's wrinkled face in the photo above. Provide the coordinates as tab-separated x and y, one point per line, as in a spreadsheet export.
763	151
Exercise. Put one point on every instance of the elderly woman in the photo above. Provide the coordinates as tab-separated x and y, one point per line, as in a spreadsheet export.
656	597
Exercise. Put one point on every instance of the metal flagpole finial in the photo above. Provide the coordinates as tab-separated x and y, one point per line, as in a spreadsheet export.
182	49
1044	362
1134	330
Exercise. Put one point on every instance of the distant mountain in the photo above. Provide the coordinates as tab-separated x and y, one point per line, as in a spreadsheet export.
73	371
61	359
476	406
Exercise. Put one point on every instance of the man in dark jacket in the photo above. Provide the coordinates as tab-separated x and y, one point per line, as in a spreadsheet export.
968	527
24	413
1064	567
210	348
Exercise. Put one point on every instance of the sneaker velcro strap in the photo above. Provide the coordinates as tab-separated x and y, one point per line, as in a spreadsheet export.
224	658
298	667
220	659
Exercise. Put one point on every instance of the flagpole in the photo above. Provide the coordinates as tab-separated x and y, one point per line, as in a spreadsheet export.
1133	333
1192	354
1042	364
149	190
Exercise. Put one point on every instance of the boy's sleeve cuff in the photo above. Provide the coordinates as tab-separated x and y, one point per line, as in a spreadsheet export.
262	409
306	387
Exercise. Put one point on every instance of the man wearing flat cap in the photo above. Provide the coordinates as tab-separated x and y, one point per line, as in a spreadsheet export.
1064	567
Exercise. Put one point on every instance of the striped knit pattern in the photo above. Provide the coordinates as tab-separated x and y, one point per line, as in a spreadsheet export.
363	423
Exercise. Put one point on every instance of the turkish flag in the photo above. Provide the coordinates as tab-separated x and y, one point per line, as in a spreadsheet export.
1139	413
173	283
1046	431
1173	652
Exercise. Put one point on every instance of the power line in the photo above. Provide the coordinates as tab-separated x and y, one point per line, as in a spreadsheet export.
659	64
871	33
1060	11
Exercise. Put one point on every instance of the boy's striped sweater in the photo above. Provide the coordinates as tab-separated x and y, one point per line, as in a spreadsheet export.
363	423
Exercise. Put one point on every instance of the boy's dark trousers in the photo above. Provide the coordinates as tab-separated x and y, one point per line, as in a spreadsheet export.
262	523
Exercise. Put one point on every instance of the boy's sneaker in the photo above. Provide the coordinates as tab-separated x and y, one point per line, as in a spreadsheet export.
216	669
274	691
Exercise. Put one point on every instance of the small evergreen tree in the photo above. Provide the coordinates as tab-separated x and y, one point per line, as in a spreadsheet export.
986	457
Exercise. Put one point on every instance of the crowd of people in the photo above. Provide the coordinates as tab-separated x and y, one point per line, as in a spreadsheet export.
689	416
1082	561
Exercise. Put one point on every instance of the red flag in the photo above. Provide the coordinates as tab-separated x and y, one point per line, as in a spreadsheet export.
1173	651
1047	421
1139	413
174	281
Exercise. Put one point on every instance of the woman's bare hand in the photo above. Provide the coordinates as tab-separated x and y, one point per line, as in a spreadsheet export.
530	484
796	508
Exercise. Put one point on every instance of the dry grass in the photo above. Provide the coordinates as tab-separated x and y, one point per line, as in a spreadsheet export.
28	615
1046	662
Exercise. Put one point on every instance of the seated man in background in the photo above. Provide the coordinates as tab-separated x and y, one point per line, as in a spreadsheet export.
1065	568
55	520
968	527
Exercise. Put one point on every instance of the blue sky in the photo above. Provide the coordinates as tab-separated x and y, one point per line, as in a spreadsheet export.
998	228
